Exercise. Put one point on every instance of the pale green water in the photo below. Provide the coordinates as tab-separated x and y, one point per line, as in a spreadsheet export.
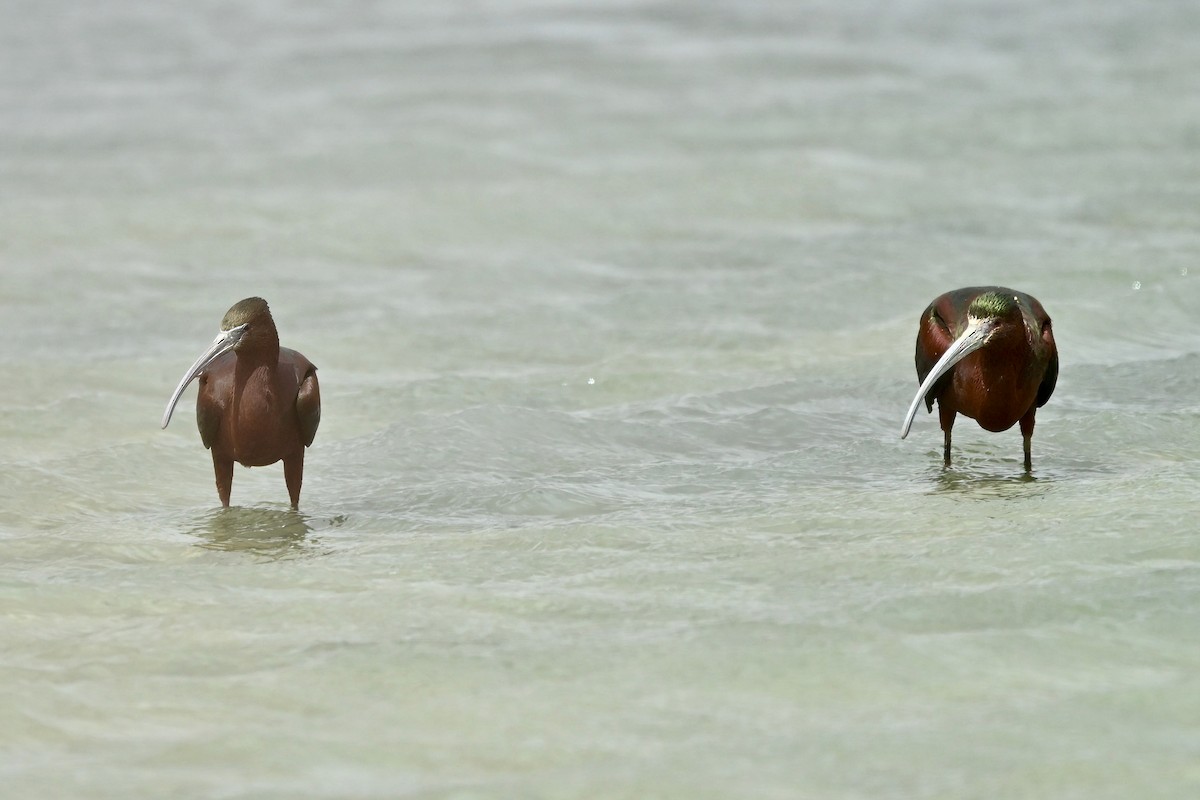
614	306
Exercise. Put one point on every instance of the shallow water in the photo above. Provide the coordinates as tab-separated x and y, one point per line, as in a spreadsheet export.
613	305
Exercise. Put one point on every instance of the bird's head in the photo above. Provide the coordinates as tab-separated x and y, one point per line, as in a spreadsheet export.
247	325
987	314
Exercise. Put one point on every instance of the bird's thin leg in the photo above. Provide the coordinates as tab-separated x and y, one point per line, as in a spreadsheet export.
224	473
293	475
946	416
1027	436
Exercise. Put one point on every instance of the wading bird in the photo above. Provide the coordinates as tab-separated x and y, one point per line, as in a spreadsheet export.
989	353
258	402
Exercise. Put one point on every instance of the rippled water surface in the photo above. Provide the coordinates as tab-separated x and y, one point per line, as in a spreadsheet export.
613	305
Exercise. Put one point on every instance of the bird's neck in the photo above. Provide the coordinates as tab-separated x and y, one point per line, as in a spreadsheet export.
262	351
1008	352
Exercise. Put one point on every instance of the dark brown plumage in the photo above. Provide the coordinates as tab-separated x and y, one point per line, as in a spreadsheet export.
258	402
988	353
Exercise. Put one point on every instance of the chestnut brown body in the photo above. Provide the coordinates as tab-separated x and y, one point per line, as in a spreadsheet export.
986	352
258	403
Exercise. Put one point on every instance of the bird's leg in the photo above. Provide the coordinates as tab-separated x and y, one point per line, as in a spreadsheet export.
946	416
1027	436
293	475
224	473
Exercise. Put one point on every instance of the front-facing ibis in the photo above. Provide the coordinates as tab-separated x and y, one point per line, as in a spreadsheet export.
258	402
986	352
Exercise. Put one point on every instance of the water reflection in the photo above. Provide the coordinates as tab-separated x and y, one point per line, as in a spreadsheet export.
265	532
978	484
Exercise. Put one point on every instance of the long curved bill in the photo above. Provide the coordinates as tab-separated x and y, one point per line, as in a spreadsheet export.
973	338
225	341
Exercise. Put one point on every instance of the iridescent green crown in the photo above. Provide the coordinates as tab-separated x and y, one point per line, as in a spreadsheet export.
992	304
